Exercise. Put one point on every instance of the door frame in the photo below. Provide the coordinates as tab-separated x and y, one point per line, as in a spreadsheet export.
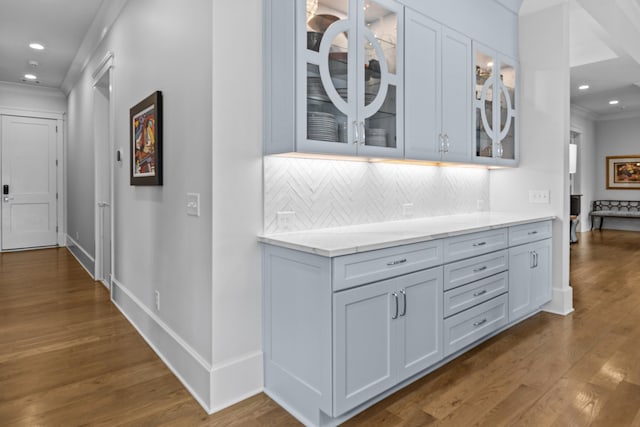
104	68
61	220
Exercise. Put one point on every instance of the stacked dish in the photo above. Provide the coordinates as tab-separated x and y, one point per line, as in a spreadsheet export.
315	89
344	93
376	137
322	126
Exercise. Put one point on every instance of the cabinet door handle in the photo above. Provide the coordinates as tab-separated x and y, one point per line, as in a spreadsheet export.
531	233
481	322
482	292
356	133
535	258
446	143
479	244
404	303
441	143
395	296
532	259
364	134
397	262
479	269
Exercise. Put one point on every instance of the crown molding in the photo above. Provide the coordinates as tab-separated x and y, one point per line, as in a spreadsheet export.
585	113
99	28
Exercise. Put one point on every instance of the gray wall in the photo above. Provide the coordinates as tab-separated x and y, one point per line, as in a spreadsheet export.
585	177
157	45
616	138
32	98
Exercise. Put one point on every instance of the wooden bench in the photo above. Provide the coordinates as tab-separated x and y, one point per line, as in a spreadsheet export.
614	208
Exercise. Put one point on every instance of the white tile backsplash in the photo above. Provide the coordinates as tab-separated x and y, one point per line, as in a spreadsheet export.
330	193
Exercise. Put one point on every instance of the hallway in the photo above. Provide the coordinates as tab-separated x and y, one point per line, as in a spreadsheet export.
68	357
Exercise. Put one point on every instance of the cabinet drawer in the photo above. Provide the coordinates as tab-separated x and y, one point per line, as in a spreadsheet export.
471	325
467	296
469	270
367	267
473	244
525	233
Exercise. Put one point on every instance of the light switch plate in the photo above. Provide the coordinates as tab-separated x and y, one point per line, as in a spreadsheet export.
193	204
407	210
286	220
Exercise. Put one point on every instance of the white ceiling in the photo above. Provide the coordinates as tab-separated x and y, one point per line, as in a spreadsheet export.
604	42
60	25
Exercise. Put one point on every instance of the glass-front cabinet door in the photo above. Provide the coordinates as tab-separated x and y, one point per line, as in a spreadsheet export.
349	87
495	108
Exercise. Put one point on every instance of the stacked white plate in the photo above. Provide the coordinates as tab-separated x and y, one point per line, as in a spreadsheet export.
376	137
343	92
315	89
322	126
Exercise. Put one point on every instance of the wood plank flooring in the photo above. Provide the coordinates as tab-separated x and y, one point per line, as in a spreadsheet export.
69	358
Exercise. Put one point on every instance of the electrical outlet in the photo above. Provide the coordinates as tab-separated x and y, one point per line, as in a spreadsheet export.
286	220
539	196
480	205
407	210
157	293
77	236
193	204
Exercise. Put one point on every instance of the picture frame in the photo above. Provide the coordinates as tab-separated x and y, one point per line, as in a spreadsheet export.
145	120
623	172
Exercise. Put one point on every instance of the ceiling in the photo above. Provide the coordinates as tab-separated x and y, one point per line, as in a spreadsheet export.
603	45
60	25
604	54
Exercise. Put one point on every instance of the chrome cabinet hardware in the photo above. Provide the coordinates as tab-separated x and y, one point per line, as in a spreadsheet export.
446	143
441	140
364	134
404	303
482	292
531	233
481	322
479	244
397	262
395	296
479	269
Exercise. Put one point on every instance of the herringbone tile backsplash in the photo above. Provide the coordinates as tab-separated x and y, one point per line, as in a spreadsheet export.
329	193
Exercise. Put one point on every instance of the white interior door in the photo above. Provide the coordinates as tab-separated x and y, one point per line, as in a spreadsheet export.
29	188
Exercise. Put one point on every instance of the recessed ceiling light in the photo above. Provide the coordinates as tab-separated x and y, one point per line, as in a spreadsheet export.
36	46
489	64
583	87
613	102
30	76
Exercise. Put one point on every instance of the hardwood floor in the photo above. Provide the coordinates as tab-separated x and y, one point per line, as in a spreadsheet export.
68	357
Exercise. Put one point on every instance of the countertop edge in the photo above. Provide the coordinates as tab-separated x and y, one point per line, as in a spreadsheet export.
282	241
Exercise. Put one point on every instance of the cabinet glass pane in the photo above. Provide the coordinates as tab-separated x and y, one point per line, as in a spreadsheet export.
384	25
484	91
507	106
380	129
324	121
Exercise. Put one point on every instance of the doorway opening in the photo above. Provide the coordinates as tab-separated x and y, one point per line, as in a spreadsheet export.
102	125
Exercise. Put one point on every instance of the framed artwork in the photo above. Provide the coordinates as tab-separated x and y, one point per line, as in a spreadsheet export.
623	172
146	141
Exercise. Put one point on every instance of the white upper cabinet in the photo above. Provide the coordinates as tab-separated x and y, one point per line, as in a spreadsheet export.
350	77
495	101
438	100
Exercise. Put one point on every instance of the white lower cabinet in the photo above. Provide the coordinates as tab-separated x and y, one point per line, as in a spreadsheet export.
529	278
344	332
383	333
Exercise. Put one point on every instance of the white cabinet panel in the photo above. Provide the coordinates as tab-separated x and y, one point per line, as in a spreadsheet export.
529	278
438	97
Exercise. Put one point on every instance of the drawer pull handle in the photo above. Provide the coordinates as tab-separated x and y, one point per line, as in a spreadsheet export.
397	262
478	270
532	233
482	292
479	244
481	322
395	296
404	303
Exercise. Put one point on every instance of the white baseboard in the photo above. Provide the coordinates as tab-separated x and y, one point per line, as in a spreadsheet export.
189	367
236	380
86	261
561	301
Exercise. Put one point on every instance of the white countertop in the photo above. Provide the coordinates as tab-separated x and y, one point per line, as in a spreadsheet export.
332	242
